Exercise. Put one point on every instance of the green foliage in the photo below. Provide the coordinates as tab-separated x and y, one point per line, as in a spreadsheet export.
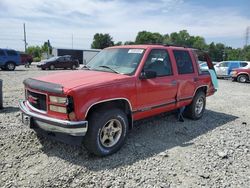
36	59
145	37
36	51
102	41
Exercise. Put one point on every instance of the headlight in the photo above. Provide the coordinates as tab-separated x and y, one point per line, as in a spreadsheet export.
59	100
60	109
233	72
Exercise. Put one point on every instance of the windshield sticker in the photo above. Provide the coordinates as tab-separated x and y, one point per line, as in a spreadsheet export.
135	51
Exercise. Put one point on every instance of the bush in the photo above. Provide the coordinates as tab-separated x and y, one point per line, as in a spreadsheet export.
36	59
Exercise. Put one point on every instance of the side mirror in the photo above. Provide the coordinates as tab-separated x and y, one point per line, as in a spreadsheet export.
148	75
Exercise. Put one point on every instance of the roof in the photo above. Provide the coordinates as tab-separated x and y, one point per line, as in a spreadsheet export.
146	46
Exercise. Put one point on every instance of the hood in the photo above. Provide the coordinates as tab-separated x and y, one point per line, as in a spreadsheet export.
82	78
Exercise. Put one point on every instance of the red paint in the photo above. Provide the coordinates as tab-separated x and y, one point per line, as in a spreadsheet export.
90	87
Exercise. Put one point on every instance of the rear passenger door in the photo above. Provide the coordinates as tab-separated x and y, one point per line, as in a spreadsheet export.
187	76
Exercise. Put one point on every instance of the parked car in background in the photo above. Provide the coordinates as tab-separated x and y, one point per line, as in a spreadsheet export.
9	59
241	74
223	69
26	58
64	62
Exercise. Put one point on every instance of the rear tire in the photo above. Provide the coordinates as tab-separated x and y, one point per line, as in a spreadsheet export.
196	109
107	131
242	78
10	66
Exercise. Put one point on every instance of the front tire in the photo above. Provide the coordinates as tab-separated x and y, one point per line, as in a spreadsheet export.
196	109
242	78
107	132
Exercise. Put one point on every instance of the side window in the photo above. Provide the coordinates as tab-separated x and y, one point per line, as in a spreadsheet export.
158	61
224	64
243	64
183	61
11	53
2	53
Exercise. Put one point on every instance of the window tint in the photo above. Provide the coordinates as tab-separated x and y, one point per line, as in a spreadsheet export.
2	53
67	58
158	61
11	53
243	64
224	64
184	62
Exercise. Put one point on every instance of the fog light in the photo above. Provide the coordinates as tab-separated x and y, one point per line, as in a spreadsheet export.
58	109
72	116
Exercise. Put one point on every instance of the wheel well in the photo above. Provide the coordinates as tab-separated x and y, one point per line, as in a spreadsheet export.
120	103
10	62
243	74
203	89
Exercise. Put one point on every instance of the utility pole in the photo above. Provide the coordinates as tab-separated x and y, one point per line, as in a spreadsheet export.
72	40
247	35
24	37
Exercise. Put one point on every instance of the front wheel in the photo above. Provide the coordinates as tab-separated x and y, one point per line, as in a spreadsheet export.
107	132
242	78
196	109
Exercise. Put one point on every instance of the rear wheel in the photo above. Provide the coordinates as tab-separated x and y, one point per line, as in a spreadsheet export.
10	66
196	109
52	67
73	67
107	131
242	78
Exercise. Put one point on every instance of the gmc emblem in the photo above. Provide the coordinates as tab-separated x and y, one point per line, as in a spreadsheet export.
32	99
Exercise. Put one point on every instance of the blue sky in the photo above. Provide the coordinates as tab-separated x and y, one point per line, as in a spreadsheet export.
220	21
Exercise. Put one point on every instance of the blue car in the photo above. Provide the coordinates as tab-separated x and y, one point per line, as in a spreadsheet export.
9	59
223	69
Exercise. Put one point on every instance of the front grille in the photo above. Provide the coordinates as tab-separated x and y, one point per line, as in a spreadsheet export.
37	100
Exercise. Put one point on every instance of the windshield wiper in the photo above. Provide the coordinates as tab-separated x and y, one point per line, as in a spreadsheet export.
104	66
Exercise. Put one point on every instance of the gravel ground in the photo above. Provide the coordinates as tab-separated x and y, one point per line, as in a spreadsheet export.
159	152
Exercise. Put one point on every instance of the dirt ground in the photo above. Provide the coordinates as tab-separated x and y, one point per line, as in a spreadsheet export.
159	152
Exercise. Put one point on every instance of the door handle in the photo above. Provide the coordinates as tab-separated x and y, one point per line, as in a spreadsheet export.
173	82
195	79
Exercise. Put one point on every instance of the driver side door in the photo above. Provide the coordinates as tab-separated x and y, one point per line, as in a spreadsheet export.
159	93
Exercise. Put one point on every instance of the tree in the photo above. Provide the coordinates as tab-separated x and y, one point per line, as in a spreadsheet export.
102	41
35	51
46	45
145	37
129	43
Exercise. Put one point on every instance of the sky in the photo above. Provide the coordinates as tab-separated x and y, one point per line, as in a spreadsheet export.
73	23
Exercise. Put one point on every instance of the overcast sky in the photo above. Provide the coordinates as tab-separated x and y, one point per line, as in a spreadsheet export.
220	20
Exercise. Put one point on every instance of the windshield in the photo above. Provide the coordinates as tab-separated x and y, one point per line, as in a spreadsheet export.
53	58
118	60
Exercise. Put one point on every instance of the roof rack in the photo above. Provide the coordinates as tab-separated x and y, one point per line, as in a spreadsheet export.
169	44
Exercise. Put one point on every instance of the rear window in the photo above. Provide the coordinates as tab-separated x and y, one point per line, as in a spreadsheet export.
184	62
11	53
243	64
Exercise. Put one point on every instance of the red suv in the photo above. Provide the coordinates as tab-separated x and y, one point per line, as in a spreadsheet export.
97	105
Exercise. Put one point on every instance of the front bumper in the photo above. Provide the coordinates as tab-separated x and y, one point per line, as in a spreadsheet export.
73	128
